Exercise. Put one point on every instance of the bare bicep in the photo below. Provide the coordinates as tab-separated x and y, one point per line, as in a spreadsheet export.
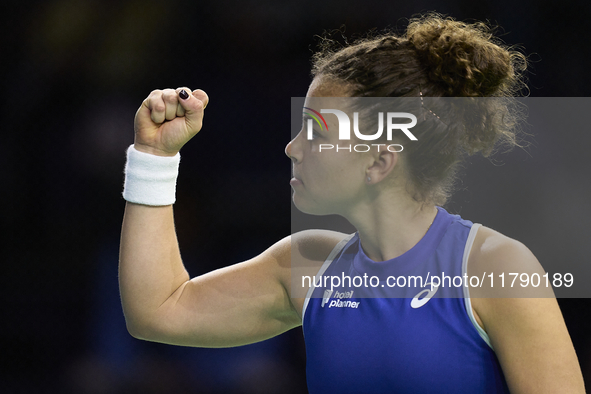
231	306
246	302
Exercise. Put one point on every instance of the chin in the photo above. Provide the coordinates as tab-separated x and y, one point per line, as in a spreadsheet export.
309	207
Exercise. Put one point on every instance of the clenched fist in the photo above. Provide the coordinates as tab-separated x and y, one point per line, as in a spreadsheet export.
168	119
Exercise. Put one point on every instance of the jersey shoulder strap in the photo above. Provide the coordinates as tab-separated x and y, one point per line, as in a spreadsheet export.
331	257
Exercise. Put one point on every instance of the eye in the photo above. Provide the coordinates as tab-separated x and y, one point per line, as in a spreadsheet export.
306	121
315	133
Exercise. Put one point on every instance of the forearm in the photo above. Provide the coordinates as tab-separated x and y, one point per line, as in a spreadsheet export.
150	265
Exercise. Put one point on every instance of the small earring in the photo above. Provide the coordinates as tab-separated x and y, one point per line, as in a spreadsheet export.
369	179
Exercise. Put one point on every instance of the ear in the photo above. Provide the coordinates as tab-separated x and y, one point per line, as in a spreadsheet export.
382	165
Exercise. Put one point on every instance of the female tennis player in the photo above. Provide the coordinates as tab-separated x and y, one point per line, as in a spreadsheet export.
356	340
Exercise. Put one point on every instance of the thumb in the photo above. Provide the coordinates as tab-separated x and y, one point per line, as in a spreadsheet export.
193	106
201	95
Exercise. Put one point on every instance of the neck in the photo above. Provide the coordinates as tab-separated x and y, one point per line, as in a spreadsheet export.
391	224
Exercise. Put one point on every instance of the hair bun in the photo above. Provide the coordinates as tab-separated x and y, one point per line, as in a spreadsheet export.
465	59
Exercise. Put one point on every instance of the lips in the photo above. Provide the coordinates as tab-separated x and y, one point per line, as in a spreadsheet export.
295	181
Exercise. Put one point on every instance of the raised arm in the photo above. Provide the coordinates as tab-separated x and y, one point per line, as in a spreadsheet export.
240	304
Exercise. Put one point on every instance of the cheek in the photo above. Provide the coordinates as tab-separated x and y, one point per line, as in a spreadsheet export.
338	170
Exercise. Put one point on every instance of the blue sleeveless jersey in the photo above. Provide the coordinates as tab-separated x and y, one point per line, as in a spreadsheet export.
427	341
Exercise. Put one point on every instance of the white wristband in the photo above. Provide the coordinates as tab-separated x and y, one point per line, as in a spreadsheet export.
150	179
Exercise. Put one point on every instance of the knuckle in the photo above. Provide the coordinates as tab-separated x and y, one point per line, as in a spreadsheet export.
169	95
169	98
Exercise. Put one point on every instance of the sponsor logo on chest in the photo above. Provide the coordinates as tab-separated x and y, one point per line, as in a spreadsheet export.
340	300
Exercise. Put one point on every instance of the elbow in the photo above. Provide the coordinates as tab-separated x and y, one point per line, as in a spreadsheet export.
136	330
148	330
140	329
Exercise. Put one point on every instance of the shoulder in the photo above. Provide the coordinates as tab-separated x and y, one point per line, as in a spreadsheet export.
521	316
495	253
302	253
512	279
312	245
315	245
309	250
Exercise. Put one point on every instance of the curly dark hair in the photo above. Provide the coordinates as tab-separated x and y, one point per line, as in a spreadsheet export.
437	57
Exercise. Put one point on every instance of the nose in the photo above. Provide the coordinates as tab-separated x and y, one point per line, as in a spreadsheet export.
292	151
288	148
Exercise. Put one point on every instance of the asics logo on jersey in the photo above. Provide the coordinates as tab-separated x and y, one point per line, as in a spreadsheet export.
426	294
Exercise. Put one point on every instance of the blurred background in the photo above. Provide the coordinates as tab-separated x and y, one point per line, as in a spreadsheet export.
75	72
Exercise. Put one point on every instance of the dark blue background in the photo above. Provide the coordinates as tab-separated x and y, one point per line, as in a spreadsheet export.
73	75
